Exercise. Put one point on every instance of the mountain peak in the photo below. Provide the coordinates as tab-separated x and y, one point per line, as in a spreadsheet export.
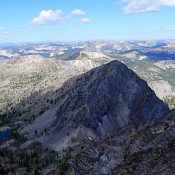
102	100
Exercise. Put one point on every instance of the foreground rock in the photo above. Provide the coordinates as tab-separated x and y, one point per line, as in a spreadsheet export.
148	149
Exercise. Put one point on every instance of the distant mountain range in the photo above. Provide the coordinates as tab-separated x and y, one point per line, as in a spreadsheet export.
156	50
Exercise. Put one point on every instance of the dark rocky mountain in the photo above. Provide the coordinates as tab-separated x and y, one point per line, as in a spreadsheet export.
96	104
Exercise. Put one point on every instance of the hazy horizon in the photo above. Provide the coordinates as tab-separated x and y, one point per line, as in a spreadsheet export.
83	41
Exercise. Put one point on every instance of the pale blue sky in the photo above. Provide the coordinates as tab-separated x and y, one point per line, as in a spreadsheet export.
72	20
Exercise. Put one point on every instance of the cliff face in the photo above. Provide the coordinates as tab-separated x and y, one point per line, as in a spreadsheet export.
100	101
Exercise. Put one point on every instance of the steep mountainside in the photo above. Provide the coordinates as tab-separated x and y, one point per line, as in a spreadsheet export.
95	104
23	76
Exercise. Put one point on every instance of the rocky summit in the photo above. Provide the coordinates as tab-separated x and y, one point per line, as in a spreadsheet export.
96	104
